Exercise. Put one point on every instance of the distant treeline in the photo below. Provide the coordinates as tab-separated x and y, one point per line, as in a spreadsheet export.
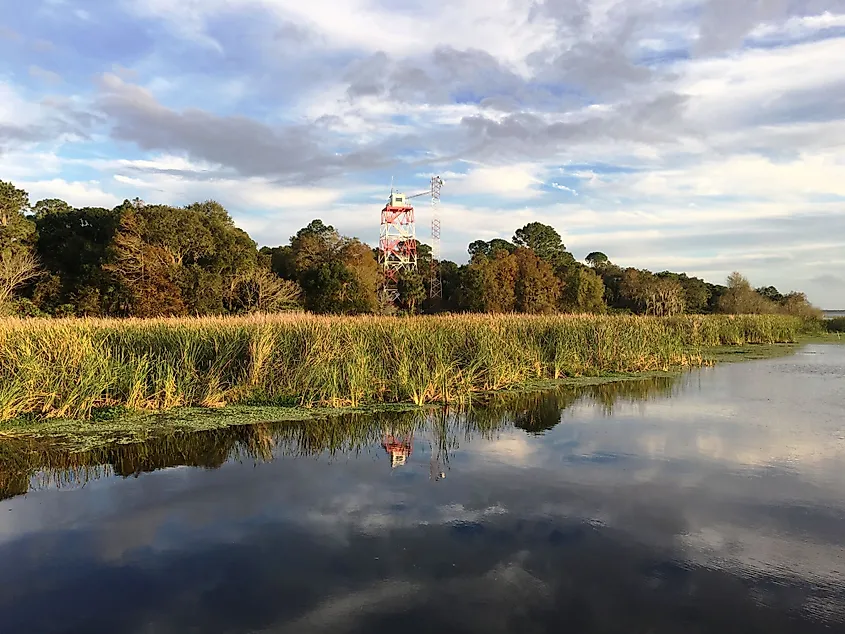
155	260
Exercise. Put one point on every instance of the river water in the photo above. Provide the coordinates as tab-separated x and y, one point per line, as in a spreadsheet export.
710	503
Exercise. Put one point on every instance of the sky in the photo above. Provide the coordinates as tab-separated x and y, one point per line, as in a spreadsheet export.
703	136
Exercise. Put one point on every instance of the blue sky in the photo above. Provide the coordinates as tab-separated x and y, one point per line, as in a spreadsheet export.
696	135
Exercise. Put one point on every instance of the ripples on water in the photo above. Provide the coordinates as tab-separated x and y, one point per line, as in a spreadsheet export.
709	503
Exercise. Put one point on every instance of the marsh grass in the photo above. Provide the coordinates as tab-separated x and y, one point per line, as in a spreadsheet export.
71	368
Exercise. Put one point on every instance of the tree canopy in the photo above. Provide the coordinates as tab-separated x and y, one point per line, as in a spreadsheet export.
146	260
597	259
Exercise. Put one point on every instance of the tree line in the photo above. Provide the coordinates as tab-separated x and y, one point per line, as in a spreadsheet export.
151	260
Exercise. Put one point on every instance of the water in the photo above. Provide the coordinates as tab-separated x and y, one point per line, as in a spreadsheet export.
715	503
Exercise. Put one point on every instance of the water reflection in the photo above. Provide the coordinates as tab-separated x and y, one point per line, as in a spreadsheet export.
35	463
712	503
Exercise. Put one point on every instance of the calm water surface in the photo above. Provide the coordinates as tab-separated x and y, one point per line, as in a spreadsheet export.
713	503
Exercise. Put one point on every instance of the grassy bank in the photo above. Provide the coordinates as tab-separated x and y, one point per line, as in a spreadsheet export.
70	368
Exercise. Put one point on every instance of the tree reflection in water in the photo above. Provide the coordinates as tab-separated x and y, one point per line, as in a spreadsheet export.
32	463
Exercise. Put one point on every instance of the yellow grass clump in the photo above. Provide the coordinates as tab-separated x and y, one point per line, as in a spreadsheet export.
69	367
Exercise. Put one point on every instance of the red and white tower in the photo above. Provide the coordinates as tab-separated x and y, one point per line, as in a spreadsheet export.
399	447
397	243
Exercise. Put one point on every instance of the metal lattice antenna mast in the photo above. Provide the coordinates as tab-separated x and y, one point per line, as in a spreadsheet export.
436	281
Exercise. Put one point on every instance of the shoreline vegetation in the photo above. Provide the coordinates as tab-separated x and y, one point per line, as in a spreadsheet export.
104	369
113	316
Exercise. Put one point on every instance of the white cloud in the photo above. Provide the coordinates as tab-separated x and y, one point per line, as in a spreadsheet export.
514	449
729	91
758	136
161	162
565	188
42	74
741	176
28	162
500	25
171	179
14	108
76	193
235	193
520	181
799	26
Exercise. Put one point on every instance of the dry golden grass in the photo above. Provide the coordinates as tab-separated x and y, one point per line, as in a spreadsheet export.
69	367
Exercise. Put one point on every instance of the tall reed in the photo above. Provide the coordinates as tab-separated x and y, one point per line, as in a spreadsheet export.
69	367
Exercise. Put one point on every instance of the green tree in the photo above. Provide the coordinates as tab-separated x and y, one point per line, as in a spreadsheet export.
337	275
741	299
318	229
201	247
281	261
50	206
632	289
612	277
73	245
696	291
322	284
696	294
771	293
498	244
424	257
362	295
411	290
451	275
546	243
17	268
259	290
146	272
597	260
583	292
425	268
478	247
489	249
797	305
13	203
490	283
16	230
652	294
213	211
536	288
544	240
716	292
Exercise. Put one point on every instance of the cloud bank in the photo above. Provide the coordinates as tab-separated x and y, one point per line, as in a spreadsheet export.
697	134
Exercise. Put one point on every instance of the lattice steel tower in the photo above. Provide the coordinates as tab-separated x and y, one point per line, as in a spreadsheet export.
435	280
397	243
